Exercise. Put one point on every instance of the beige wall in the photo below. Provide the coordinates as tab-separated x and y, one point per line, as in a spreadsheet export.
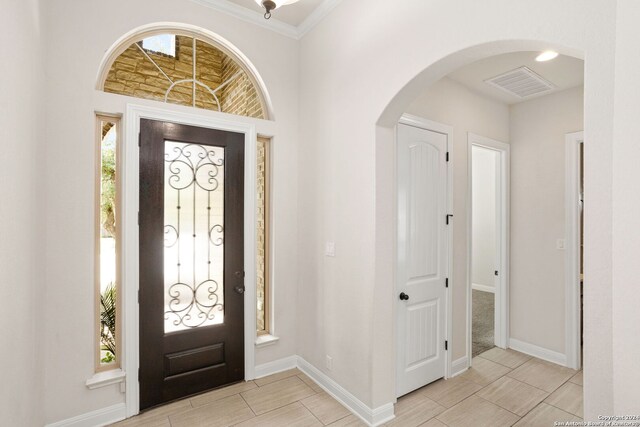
22	215
450	103
537	297
483	222
626	206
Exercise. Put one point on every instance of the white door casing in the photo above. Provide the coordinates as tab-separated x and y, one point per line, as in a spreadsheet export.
423	262
130	244
573	207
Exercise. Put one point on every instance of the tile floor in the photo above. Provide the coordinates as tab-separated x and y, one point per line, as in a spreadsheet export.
503	388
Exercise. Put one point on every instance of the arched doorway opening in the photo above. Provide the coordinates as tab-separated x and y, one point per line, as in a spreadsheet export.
458	325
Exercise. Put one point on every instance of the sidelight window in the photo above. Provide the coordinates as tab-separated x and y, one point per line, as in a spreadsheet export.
262	264
107	262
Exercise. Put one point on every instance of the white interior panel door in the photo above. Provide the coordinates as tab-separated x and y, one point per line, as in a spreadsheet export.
422	257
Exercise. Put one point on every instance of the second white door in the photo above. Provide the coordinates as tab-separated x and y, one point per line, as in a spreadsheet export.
422	257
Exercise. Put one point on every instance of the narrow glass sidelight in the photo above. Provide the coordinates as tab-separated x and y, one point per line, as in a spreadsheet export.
262	236
107	233
193	236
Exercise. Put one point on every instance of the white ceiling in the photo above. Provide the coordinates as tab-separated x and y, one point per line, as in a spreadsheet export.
564	72
292	14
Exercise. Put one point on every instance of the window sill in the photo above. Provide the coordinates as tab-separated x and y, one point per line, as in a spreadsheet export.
265	340
103	379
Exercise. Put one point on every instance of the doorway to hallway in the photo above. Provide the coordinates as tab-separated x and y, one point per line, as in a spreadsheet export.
488	272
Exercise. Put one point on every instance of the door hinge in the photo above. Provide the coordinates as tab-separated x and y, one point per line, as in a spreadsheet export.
138	217
447	156
446	345
495	273
446	282
139	140
449	216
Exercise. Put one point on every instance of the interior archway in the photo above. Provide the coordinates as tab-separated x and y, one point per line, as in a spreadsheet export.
386	179
399	103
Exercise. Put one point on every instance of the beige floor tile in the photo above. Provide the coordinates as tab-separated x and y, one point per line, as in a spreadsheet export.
275	395
212	396
277	377
568	398
414	409
513	395
158	421
224	412
325	408
545	415
509	358
543	375
349	421
484	371
311	383
157	417
449	392
433	423
294	415
477	412
578	378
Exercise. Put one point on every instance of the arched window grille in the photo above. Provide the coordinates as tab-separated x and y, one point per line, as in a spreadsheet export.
184	70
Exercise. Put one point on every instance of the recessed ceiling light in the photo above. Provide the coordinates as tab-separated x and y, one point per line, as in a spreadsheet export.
546	56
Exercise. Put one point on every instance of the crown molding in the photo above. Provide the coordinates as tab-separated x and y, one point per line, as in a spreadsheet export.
316	16
273	24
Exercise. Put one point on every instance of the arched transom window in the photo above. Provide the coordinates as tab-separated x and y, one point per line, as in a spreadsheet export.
184	70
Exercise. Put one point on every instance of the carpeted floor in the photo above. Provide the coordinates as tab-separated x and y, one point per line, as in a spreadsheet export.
482	329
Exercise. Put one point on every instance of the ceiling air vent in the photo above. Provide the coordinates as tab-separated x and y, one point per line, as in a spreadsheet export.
521	82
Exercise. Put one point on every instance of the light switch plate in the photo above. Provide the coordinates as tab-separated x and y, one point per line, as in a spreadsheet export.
330	249
560	244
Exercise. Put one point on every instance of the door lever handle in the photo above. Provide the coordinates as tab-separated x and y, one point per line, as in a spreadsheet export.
403	296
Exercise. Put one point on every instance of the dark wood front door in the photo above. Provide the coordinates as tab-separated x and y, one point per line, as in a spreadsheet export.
191	260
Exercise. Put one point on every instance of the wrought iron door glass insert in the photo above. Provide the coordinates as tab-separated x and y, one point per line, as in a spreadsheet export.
193	236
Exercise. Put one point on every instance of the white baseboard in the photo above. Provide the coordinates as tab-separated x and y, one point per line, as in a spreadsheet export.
459	366
483	288
276	366
539	352
372	417
100	417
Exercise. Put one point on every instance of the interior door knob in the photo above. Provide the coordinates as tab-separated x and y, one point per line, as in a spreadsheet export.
239	289
404	296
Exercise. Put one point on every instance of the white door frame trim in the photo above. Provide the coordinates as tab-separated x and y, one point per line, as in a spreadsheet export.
572	252
422	123
502	290
130	244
